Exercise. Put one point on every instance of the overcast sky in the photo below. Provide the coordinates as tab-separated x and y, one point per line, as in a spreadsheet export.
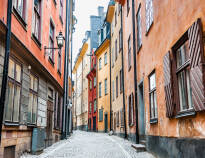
83	10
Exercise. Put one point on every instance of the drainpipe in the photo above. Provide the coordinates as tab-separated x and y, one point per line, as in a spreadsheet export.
71	65
6	64
123	86
135	71
66	70
110	83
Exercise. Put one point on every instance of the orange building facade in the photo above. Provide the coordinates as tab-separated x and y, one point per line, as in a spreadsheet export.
35	77
169	50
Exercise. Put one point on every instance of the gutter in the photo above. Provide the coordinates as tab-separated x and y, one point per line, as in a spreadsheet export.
123	86
6	63
135	70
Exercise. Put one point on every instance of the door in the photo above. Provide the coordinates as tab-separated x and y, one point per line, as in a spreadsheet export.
94	123
9	152
89	123
106	123
141	110
49	126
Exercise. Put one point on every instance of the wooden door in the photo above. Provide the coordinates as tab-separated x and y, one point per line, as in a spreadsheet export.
49	126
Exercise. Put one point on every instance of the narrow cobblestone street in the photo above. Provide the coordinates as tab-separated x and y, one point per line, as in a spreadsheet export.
91	145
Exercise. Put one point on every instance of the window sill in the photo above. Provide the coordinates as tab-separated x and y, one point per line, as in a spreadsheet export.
51	61
147	32
6	123
20	19
186	113
31	125
38	43
154	121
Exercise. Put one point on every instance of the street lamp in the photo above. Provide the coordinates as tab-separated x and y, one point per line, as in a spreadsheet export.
60	40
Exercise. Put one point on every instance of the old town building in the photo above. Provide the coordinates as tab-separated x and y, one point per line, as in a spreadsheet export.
34	97
103	78
80	71
169	74
92	96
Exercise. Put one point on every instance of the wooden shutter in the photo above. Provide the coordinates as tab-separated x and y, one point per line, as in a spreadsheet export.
169	98
197	64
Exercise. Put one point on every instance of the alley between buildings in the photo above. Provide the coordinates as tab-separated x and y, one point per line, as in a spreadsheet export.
91	145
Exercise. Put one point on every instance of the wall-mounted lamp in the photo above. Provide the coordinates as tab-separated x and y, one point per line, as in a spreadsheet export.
60	40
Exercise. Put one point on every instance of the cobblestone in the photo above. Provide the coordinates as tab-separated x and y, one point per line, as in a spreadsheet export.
91	145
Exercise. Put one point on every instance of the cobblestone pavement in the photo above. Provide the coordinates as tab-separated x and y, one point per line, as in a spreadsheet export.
91	145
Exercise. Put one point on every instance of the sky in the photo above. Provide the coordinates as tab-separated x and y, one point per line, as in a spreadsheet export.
83	10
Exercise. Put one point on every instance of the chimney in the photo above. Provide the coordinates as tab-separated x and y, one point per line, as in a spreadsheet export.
100	11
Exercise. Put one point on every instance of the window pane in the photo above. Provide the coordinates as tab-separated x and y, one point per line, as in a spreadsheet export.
152	104
183	54
182	90
18	73
30	107
16	104
35	88
155	104
189	91
11	69
34	109
152	82
9	102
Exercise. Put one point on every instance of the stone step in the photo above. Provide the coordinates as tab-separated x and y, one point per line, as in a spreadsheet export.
143	142
139	147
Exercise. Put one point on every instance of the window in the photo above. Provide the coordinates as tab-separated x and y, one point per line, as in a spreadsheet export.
120	39
131	110
183	77
95	105
129	52
113	57
33	99
122	117
50	93
117	119
94	81
113	91
139	29
59	61
149	14
37	19
128	6
152	97
115	18
116	86
105	86
119	8
116	50
105	58
90	108
100	89
121	81
90	84
51	41
100	115
61	9
100	62
20	6
12	103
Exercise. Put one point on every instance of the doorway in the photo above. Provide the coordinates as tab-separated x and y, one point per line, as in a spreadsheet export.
106	123
94	123
49	126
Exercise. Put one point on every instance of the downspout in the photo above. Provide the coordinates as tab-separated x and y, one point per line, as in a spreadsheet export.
6	64
123	86
135	71
110	83
66	70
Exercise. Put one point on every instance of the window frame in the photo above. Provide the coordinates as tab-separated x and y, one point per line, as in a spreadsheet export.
128	7
139	28
106	87
120	39
153	119
51	39
117	86
100	63
149	15
37	13
116	53
105	59
15	84
61	10
131	109
121	89
100	90
59	61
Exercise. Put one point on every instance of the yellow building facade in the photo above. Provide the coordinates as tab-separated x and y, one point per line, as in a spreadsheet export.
103	85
